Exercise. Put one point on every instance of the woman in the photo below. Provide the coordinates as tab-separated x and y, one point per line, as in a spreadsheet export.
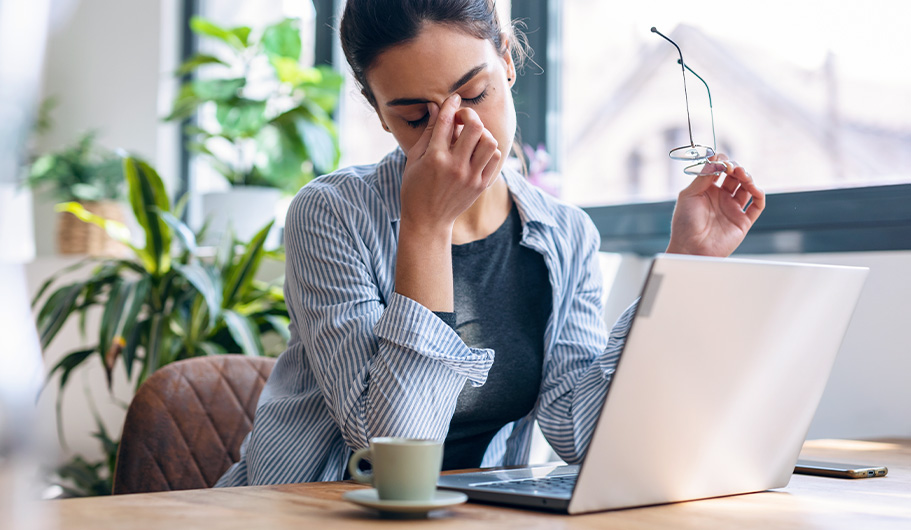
436	294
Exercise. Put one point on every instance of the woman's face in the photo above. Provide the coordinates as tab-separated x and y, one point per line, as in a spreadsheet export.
441	61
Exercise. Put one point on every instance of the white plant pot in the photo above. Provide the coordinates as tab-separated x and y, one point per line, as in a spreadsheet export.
243	209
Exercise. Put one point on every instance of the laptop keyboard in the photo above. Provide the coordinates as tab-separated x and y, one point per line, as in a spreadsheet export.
561	484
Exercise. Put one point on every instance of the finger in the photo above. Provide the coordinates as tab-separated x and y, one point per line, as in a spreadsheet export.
700	184
441	135
485	150
472	129
742	197
490	170
718	157
757	206
742	177
730	184
758	196
420	147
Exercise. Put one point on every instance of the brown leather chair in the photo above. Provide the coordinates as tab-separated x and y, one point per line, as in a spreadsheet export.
185	425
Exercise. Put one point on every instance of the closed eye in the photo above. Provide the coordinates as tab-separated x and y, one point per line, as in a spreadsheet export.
475	100
414	124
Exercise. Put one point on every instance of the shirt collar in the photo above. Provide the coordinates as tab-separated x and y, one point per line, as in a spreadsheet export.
531	201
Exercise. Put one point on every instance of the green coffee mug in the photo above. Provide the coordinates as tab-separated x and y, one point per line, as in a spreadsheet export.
404	469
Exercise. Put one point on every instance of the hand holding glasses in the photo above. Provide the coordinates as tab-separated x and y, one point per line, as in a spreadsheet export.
699	154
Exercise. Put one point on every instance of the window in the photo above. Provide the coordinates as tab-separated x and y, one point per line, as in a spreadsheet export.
806	96
814	100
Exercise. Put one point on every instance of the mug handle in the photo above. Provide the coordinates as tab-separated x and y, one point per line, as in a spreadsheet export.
356	473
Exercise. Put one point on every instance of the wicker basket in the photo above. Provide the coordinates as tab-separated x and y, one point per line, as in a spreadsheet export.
78	237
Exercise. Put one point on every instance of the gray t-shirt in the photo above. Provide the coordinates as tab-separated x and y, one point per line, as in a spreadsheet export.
502	302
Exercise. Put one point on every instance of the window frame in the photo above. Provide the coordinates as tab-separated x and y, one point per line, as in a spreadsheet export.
869	218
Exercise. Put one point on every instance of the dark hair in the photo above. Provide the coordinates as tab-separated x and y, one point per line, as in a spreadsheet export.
370	27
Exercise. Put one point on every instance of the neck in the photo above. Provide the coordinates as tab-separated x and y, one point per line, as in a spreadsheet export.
483	217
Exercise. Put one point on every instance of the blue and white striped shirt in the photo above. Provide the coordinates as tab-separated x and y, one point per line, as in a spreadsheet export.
365	361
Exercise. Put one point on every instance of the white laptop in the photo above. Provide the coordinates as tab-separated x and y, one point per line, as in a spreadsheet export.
714	392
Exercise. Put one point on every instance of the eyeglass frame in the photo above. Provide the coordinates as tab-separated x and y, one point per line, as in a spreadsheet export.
693	155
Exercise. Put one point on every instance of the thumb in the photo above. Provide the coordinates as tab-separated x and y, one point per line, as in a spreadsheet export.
419	148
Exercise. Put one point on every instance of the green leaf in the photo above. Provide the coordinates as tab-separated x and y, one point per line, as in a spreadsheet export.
108	445
185	104
241	275
112	310
56	310
224	253
280	325
240	117
283	154
218	89
320	143
243	34
154	347
87	192
148	197
208	283
125	301
290	71
196	61
244	333
211	348
195	130
137	335
137	293
68	363
326	91
186	236
203	26
283	39
86	478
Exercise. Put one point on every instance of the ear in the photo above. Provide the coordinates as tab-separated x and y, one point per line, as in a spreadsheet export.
373	104
510	64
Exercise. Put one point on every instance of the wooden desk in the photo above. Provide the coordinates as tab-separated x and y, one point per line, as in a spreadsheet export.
807	502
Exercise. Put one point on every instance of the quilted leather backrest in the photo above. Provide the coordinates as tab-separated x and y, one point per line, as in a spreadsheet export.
185	425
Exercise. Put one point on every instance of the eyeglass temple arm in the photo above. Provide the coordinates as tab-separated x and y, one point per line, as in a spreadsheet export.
711	110
683	72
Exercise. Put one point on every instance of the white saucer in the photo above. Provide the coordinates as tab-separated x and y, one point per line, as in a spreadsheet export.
370	499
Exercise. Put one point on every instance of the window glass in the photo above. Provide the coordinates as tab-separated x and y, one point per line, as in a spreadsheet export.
805	95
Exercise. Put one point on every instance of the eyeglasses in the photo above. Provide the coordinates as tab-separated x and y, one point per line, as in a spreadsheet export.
694	152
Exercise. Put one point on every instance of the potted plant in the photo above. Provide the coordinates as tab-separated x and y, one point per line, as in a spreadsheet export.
90	175
264	121
168	301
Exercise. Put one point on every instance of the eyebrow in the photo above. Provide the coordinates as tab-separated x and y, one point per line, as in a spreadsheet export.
400	102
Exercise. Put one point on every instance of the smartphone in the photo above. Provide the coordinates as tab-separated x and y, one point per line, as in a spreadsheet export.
835	469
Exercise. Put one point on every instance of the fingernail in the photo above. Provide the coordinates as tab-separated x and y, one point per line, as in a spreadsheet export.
457	98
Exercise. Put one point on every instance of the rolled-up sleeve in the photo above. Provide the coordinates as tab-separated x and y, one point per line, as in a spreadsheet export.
583	359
